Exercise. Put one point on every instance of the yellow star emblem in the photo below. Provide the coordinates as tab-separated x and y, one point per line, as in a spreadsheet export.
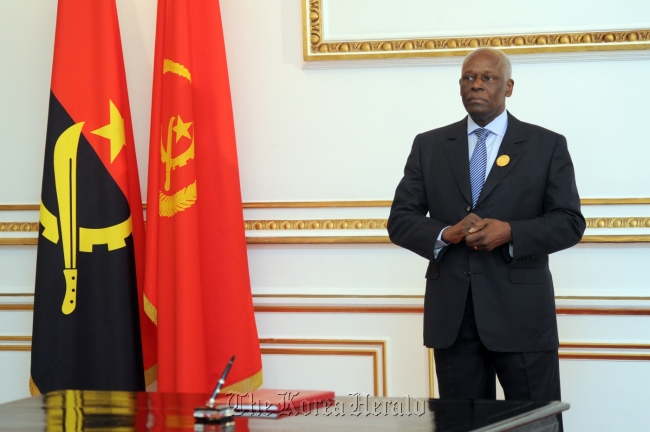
114	131
181	129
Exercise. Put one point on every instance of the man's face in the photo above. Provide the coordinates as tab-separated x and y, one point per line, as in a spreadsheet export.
484	88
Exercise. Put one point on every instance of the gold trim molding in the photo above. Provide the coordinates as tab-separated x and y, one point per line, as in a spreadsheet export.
338	204
431	369
565	355
5	343
19	226
618	222
349	224
17	307
336	240
320	240
332	352
388	203
614	201
317	204
315	48
376	355
331	240
388	309
15	348
336	342
364	224
319	224
602	356
18	241
15	338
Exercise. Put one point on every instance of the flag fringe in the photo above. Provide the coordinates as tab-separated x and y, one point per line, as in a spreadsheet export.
151	375
150	310
246	385
33	389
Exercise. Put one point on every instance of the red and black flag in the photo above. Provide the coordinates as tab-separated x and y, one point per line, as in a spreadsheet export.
86	332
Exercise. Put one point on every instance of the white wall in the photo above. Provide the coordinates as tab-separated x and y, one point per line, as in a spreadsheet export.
343	133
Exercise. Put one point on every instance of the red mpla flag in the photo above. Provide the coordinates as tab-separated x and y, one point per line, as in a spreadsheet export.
90	259
197	285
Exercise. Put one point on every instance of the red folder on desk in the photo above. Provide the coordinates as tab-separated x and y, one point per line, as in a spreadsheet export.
272	403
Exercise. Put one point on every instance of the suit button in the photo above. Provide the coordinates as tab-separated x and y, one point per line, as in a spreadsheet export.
467	273
469	209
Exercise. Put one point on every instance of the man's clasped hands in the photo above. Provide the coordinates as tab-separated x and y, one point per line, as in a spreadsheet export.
479	234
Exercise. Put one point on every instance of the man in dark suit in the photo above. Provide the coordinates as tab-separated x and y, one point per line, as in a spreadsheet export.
501	196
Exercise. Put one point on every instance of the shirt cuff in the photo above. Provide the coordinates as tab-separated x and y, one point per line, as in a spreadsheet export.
441	244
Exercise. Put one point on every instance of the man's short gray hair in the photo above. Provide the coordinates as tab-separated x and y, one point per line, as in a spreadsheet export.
505	61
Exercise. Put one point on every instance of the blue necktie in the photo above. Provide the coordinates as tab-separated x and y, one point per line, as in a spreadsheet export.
477	164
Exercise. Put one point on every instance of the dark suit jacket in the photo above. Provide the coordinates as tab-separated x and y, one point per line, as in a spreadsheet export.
535	192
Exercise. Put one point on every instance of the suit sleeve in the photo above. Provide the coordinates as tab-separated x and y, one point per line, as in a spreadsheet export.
561	224
408	224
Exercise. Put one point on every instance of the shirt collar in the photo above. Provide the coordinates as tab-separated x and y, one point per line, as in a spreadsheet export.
497	126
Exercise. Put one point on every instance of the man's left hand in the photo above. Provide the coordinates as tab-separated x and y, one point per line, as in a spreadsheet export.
494	234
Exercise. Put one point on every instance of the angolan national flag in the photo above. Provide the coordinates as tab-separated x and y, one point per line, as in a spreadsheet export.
86	332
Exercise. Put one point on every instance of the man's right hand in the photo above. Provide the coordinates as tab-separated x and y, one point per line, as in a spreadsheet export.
457	233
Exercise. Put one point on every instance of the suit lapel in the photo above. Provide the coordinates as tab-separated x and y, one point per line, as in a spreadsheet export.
458	157
512	146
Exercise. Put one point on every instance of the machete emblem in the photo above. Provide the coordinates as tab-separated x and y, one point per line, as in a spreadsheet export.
73	238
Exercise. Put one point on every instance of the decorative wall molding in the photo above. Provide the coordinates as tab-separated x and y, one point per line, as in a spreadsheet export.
339	296
387	297
604	345
375	349
19	226
15	343
19	207
391	309
385	240
17	307
15	348
364	224
618	222
431	372
316	204
387	308
318	224
350	224
614	201
338	204
316	48
388	203
324	240
331	352
379	357
339	309
602	356
331	240
615	239
18	241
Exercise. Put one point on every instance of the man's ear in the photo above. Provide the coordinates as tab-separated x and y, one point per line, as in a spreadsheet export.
509	87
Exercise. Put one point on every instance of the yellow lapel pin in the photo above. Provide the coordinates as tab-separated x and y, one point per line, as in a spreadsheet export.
503	160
